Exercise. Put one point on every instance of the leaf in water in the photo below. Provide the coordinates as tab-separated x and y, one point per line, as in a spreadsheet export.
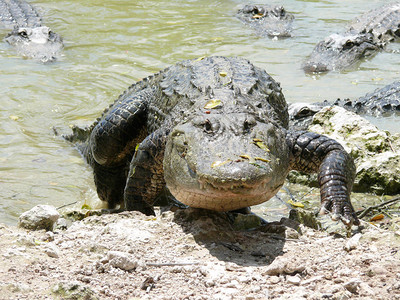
200	58
14	118
53	183
223	74
377	79
295	204
377	217
214	103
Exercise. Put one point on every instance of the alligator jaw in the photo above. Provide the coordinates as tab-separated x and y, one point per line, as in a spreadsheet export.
222	199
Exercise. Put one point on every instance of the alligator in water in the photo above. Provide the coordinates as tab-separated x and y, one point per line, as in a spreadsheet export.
272	21
215	132
29	36
364	37
381	102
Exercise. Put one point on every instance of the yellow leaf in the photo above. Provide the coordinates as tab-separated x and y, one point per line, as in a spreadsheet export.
377	79
214	103
14	118
219	163
223	74
245	156
262	159
295	204
200	58
260	144
85	206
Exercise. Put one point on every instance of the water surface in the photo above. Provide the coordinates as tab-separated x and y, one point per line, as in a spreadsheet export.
111	44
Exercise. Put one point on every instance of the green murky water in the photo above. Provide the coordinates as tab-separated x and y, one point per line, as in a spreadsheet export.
110	44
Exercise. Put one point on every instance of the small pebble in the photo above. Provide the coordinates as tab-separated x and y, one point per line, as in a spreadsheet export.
295	280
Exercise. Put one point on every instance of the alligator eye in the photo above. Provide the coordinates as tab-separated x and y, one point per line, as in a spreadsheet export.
348	45
23	34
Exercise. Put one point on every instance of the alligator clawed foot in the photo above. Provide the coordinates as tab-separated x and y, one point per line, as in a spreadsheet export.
343	213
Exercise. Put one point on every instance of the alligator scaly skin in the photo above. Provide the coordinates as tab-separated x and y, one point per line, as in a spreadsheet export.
18	13
29	36
383	101
214	131
363	38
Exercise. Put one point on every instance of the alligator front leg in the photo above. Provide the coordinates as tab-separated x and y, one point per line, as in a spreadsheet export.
112	143
146	176
312	152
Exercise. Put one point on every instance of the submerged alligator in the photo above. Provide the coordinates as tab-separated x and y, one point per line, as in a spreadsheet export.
381	102
215	132
29	36
364	37
272	21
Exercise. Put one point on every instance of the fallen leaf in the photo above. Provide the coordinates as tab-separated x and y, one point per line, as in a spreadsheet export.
85	206
219	163
260	144
262	159
214	103
377	217
295	204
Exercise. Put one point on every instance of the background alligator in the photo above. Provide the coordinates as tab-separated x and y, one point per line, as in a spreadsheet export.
364	37
29	36
214	131
272	21
381	102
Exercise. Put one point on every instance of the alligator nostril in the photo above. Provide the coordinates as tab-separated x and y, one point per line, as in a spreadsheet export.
246	126
207	126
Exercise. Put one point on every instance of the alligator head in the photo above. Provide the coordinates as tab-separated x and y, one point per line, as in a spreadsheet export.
338	52
225	162
273	21
38	42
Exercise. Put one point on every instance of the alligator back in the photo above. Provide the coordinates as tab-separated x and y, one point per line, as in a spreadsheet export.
383	22
216	85
223	84
18	13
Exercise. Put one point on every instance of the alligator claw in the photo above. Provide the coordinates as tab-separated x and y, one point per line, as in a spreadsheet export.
340	211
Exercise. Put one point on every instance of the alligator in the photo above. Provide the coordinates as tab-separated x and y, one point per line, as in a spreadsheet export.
271	21
365	36
28	35
383	101
214	131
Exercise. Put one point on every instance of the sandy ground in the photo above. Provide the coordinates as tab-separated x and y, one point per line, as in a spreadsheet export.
195	254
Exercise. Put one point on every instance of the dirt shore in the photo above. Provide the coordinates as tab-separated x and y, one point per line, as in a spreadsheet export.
193	254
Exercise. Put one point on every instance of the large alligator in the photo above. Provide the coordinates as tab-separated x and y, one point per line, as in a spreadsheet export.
28	35
381	102
215	132
364	37
271	21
